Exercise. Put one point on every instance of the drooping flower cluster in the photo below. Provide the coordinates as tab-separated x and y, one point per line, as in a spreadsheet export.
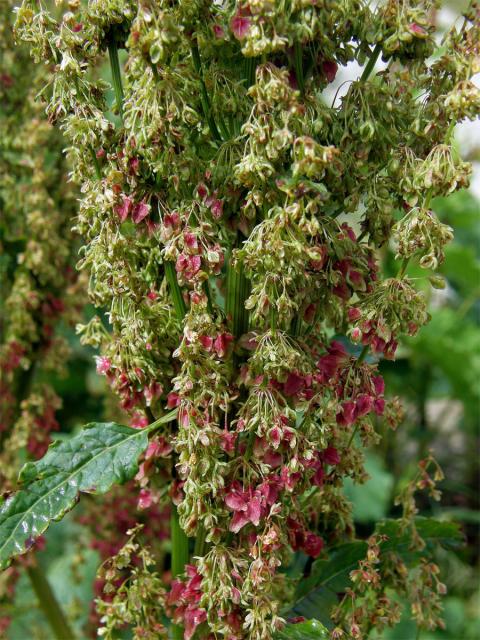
39	288
231	220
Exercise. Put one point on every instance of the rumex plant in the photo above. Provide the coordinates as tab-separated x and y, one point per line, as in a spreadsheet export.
232	220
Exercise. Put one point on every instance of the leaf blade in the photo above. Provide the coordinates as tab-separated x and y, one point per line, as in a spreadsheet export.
101	455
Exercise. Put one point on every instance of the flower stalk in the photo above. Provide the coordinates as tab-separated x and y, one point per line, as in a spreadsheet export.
204	98
49	604
116	74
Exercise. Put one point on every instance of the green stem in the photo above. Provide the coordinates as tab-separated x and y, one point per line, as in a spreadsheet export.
237	292
116	75
362	355
199	550
180	557
250	66
49	604
298	61
179	540
371	62
403	268
296	325
204	99
175	291
349	444
96	164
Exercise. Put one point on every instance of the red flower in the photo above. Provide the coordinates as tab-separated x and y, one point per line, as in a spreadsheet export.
140	212
329	68
330	456
124	209
313	545
293	384
346	416
240	26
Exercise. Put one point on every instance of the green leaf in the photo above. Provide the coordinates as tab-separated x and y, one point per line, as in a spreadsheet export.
307	630
101	455
372	499
318	594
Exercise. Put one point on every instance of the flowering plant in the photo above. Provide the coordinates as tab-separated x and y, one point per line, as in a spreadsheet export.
232	222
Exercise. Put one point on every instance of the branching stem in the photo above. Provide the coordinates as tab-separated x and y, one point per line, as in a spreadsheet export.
116	75
205	100
371	63
49	604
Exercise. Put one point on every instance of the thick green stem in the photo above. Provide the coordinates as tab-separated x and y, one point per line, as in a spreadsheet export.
49	604
237	292
180	557
250	66
371	62
296	327
403	268
179	540
175	291
362	355
205	100
116	75
199	550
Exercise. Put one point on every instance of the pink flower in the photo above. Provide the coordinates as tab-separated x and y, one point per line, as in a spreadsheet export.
379	385
363	405
158	448
329	68
379	406
227	441
139	420
246	505
193	618
206	342
103	365
313	545
191	241
221	344
356	335
154	390
218	31
133	164
240	26
140	212
173	400
293	384
202	191
124	209
330	456
217	209
176	592
145	499
417	30
354	314
346	416
318	477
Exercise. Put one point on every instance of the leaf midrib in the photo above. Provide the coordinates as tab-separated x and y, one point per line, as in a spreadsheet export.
136	434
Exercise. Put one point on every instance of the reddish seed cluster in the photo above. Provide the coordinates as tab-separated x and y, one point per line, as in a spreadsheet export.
185	598
358	395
